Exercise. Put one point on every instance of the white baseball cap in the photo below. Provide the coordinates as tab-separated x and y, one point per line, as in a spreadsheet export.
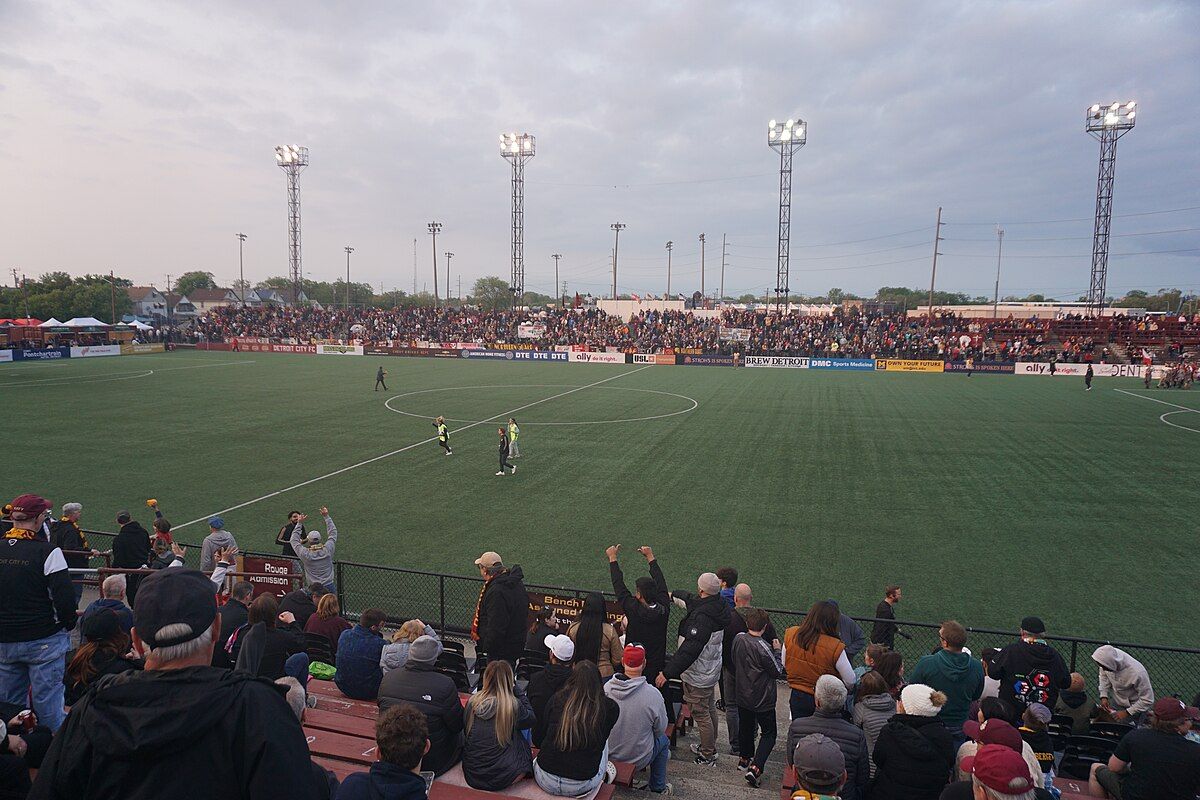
561	646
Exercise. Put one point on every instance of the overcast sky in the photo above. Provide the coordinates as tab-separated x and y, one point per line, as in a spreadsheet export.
139	137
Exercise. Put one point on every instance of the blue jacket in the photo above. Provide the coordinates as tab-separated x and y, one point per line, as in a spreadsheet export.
386	781
123	612
358	673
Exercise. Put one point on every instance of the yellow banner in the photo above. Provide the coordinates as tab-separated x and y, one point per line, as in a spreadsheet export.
903	365
139	349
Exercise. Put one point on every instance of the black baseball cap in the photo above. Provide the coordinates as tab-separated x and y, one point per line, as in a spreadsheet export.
1033	625
170	596
99	625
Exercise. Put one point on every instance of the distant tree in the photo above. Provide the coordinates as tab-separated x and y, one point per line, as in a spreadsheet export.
196	279
532	299
242	288
57	294
748	298
491	293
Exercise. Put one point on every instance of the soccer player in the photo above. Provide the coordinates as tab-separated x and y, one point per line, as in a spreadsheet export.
970	365
443	435
1087	378
513	433
379	374
504	462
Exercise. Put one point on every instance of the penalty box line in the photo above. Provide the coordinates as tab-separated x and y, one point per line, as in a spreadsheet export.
503	414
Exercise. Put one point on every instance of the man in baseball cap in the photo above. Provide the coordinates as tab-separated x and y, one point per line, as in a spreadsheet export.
201	715
546	682
501	619
640	735
820	768
999	773
1030	670
1155	762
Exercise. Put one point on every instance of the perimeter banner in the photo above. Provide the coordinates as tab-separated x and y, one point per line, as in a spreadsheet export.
1007	367
567	607
908	365
276	581
142	349
705	360
788	362
339	350
652	358
1079	370
95	350
293	348
494	355
539	355
41	355
586	357
5	356
850	364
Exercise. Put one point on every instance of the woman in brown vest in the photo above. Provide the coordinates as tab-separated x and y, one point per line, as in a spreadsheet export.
810	650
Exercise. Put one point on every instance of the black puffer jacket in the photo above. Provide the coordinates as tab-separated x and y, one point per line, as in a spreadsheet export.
849	738
913	759
486	765
504	616
703	631
542	686
435	696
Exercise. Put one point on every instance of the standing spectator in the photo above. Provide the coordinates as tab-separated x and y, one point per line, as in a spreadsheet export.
21	751
268	648
729	578
316	556
218	539
820	768
1125	688
130	550
697	660
359	649
329	622
884	630
302	602
403	740
39	609
573	759
850	632
1156	762
810	650
873	707
955	674
1075	703
66	534
914	752
596	640
546	682
284	537
495	754
105	651
502	613
112	598
228	734
395	654
755	666
233	614
828	720
647	611
1029	669
420	685
640	735
742	598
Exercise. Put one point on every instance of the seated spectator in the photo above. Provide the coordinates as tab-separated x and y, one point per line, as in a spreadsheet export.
302	602
105	651
209	732
234	614
1125	689
914	752
995	733
820	768
545	623
997	773
873	707
1156	762
756	668
992	725
316	556
1075	703
890	665
640	735
328	621
872	652
545	683
359	651
1029	669
573	759
827	720
955	674
395	654
23	744
991	686
112	597
418	684
495	754
810	650
271	646
403	740
596	640
1034	723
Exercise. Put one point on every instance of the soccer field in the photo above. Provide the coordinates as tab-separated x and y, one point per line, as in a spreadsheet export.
989	498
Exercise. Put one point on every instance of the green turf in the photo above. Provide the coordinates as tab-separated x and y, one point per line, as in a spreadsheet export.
989	498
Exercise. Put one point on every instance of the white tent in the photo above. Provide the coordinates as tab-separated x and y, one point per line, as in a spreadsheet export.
84	322
141	326
50	323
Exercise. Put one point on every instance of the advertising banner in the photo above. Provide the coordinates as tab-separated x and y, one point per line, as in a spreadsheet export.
339	350
787	362
567	607
41	355
492	355
142	349
1079	370
538	355
908	365
276	582
850	364
578	357
95	350
735	334
1007	367
5	356
531	331
704	360
293	348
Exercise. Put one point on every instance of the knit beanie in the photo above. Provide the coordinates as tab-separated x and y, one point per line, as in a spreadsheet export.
921	701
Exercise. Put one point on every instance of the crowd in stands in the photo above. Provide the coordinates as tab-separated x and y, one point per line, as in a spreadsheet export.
194	685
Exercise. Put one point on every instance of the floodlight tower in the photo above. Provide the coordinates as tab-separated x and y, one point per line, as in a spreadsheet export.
786	137
517	148
292	159
617	228
1106	124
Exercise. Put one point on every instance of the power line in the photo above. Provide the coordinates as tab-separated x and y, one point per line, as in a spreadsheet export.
846	255
1078	255
656	183
1077	238
828	244
1080	219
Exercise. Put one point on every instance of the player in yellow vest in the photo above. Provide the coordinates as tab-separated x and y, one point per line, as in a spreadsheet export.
443	435
513	433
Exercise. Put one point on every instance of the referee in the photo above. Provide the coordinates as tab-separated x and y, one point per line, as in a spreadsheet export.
504	462
513	433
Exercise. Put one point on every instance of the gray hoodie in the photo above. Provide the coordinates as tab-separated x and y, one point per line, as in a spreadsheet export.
1125	681
317	559
643	717
394	654
217	540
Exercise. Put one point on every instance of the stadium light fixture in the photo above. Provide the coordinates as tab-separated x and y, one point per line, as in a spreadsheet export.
518	148
1106	123
292	159
787	137
434	227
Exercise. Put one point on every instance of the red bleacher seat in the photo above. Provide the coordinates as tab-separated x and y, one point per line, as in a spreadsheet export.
339	723
340	746
789	781
339	768
1072	787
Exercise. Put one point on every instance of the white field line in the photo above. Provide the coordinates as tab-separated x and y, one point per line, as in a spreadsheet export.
63	380
1163	418
503	414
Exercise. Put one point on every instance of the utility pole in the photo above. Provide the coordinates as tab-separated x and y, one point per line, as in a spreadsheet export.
724	252
460	294
937	239
670	246
434	227
617	228
449	256
999	250
414	266
556	257
702	265
168	304
241	268
112	295
24	290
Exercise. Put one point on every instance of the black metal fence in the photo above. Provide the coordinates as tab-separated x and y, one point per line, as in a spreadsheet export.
447	602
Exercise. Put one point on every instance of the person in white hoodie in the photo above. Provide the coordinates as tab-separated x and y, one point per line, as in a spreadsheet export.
218	539
316	556
640	735
1125	688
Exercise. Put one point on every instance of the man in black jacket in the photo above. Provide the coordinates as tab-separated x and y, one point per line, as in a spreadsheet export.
418	684
743	597
1029	669
502	615
181	727
546	682
66	534
884	633
233	616
647	611
302	602
131	550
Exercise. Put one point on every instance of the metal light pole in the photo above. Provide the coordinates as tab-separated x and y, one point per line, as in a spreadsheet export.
1106	124
937	239
556	257
999	251
724	252
293	159
702	265
517	148
617	228
241	269
786	137
449	256
434	227
348	250
670	246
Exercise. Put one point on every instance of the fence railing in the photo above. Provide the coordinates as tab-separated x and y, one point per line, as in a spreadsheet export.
447	602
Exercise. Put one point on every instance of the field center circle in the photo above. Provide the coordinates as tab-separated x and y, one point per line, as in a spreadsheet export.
695	403
1163	418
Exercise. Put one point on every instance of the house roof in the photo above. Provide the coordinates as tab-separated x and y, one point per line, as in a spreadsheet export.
137	293
209	295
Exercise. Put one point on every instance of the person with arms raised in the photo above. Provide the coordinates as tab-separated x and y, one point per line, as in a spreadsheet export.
316	556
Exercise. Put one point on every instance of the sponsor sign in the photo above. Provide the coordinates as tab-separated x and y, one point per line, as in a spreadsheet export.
704	360
567	607
42	355
531	331
1079	370
142	349
735	334
502	355
982	366
293	348
339	350
539	355
95	350
276	581
583	357
789	362
851	364
5	356
908	365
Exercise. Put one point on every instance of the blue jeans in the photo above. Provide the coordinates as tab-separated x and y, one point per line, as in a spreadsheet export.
658	765
297	667
802	704
565	787
39	665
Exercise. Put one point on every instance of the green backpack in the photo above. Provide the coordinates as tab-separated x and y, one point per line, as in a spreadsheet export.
321	671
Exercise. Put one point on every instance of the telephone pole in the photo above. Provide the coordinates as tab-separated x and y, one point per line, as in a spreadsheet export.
724	253
414	266
449	256
999	250
241	269
556	257
937	239
617	228
670	246
702	265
